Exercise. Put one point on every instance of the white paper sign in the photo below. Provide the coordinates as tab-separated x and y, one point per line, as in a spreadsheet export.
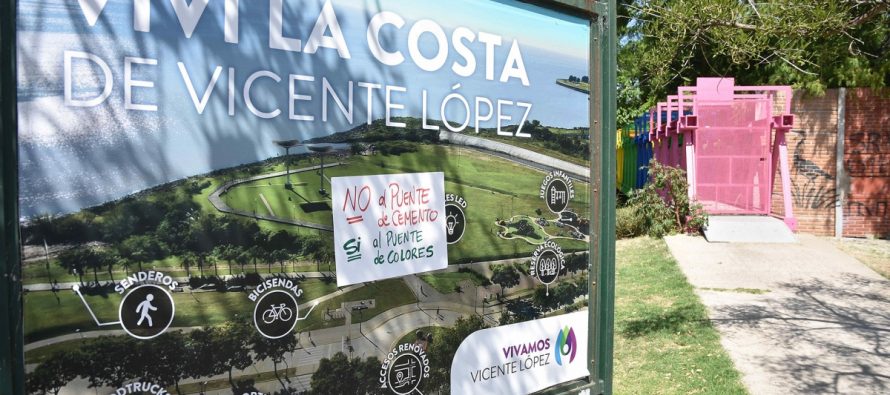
388	226
522	358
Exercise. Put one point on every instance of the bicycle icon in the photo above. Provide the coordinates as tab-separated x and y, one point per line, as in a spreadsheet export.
277	313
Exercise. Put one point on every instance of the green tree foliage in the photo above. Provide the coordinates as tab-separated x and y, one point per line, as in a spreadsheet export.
377	131
396	147
80	259
340	375
78	228
233	346
662	206
273	350
504	275
563	294
50	376
577	262
569	144
141	249
441	352
319	249
206	353
163	360
810	45
356	148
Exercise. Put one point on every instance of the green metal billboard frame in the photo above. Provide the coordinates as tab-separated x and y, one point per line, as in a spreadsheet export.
12	367
602	186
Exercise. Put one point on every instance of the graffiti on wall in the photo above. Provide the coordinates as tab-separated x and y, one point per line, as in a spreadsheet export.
867	154
868	208
867	160
811	186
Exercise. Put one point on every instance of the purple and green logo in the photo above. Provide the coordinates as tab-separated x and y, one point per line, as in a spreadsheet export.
566	346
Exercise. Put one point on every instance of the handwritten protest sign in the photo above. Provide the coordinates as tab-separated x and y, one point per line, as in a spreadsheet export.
388	226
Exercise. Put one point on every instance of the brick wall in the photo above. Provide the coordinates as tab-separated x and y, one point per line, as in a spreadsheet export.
812	151
811	155
867	163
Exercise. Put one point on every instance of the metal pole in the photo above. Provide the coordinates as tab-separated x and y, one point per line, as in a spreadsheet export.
602	140
607	209
840	175
12	373
321	177
287	167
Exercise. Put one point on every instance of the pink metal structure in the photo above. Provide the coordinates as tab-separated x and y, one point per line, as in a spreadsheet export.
731	141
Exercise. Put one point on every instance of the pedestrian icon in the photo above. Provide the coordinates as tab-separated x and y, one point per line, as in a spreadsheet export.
146	311
144	308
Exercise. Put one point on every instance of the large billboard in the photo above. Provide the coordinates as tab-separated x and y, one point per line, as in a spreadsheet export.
303	196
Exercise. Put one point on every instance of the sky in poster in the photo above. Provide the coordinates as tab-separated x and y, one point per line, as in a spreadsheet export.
75	157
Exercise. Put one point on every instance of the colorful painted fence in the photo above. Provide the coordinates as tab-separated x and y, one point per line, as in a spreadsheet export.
633	154
729	139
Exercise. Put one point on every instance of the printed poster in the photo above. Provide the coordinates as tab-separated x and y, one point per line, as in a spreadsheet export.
388	226
495	361
184	167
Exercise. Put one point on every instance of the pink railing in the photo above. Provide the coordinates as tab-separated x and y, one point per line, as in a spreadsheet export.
730	140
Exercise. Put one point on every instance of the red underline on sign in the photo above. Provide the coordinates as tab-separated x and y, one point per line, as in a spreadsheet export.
354	220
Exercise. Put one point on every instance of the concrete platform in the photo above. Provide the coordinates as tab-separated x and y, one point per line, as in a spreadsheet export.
747	229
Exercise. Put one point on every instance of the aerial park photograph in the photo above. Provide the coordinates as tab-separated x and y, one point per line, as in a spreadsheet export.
499	197
301	196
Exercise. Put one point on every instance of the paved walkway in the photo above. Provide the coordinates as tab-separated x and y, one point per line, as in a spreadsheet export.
796	319
220	204
516	154
183	281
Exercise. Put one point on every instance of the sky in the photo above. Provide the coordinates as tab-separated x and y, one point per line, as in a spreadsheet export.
541	28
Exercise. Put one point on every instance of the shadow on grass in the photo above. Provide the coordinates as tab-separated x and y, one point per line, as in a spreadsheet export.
314	207
672	320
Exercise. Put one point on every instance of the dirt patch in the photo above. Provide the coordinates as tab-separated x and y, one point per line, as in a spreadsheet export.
874	253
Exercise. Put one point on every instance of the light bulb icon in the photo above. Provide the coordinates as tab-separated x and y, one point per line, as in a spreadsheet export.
450	223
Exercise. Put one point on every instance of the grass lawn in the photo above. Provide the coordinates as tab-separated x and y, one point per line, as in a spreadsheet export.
572	132
35	272
45	316
198	309
445	282
41	354
537	146
410	337
492	186
387	294
664	342
537	233
584	86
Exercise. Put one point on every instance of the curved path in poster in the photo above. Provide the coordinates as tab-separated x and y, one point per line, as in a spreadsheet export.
376	336
217	201
517	154
380	333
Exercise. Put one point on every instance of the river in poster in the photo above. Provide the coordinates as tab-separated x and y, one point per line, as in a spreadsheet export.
176	167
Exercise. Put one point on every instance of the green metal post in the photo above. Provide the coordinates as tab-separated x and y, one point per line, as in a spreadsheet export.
603	78
11	355
605	287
